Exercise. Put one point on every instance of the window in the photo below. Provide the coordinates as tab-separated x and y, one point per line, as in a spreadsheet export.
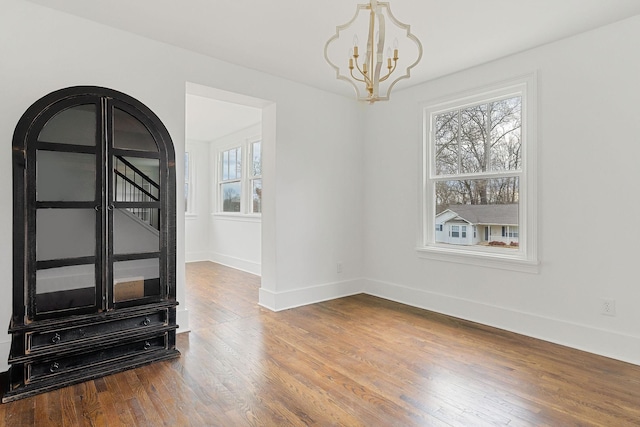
231	180
256	177
479	166
240	178
438	227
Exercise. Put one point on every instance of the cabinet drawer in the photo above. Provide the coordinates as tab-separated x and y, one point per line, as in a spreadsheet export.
41	340
39	370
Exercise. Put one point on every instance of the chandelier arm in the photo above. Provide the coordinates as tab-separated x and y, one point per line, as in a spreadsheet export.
366	80
395	64
357	79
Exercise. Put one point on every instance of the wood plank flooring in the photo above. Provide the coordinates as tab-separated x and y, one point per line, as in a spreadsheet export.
356	361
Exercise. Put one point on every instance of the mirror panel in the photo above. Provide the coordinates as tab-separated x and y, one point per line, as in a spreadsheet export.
130	133
65	233
136	179
76	125
136	279
65	177
135	230
65	287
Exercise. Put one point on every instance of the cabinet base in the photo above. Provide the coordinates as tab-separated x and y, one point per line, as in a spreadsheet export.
31	389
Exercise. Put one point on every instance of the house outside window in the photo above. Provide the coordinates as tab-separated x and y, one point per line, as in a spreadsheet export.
240	178
479	164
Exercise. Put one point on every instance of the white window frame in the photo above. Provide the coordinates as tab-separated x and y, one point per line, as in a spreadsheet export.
525	258
251	177
236	178
246	178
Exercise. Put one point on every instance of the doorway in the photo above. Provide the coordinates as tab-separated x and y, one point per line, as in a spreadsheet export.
224	152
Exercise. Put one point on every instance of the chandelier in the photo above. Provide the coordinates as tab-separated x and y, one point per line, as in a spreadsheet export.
373	74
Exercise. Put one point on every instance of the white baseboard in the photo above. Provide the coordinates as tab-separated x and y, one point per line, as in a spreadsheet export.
229	261
582	337
277	301
182	319
196	256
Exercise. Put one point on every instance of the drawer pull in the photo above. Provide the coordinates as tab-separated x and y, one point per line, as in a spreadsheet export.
147	345
146	321
54	367
56	338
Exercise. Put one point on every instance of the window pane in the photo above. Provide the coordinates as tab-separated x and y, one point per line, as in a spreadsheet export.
473	139
225	166
446	140
490	205
186	196
231	197
65	177
476	192
65	233
235	164
136	279
186	167
238	164
506	130
75	125
256	169
480	138
256	195
130	133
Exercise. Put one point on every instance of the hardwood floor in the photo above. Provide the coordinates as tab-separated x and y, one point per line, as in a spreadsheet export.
356	361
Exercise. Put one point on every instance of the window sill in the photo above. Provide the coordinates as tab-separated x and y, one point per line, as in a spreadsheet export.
482	258
188	215
237	216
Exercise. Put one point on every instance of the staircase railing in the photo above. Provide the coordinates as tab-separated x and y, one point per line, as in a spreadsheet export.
133	185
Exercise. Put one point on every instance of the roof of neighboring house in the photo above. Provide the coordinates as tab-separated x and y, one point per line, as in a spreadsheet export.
486	214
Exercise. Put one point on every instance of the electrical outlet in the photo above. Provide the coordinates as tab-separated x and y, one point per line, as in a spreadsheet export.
608	307
339	267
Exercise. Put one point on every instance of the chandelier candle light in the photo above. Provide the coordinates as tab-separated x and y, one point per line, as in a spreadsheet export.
366	75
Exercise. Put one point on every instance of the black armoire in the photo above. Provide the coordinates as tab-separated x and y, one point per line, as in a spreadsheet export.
94	237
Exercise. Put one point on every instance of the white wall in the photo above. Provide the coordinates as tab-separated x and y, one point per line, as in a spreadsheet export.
588	168
43	50
197	221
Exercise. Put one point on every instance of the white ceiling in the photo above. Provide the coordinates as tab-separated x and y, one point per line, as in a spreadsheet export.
208	119
286	37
